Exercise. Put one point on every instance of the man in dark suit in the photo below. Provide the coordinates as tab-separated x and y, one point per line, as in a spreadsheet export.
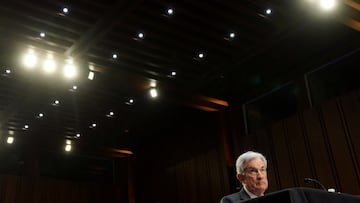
251	172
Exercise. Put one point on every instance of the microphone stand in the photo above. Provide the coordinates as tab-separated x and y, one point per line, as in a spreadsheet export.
311	180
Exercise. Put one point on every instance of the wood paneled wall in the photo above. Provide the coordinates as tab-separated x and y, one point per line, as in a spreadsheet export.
322	142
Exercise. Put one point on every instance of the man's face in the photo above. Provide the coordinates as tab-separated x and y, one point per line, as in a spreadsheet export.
255	177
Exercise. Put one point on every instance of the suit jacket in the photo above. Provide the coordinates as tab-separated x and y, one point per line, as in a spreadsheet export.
235	197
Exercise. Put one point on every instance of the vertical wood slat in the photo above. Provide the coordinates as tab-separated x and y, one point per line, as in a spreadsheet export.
282	155
345	172
265	144
318	147
350	104
297	150
8	188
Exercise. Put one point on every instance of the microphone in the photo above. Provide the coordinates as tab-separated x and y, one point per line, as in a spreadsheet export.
311	180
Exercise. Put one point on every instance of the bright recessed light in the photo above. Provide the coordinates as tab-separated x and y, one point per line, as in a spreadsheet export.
74	87
110	114
327	4
141	35
65	10
130	102
78	135
30	60
7	71
93	125
49	66
232	35
114	56
153	92
173	73
69	71
10	140
68	148
26	126
56	102
91	75
40	115
170	11
42	34
152	83
201	55
268	11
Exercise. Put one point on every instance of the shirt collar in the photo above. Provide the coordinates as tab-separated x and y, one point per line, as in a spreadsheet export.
252	195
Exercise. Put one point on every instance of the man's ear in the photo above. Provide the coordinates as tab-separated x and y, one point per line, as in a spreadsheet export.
240	177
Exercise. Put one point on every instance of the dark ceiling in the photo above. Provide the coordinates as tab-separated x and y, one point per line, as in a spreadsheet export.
266	51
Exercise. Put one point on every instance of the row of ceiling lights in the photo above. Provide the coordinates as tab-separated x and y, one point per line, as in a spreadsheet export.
10	139
200	55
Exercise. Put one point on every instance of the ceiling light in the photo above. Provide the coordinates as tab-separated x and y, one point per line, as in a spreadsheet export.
173	73
230	36
153	93
40	115
10	140
78	135
152	83
114	56
68	142
56	103
140	36
7	72
30	60
42	34
65	10
73	88
111	114
91	75
268	11
327	4
130	102
93	125
68	148
49	65
25	127
69	71
200	56
170	11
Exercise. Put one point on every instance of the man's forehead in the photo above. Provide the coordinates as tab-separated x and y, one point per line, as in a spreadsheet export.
255	162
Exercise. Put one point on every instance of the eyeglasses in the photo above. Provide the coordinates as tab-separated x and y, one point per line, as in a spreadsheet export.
255	171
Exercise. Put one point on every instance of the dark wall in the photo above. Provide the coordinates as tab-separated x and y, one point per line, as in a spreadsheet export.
185	165
28	190
322	142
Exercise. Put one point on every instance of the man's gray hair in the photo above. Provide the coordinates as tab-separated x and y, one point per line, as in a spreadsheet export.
245	157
